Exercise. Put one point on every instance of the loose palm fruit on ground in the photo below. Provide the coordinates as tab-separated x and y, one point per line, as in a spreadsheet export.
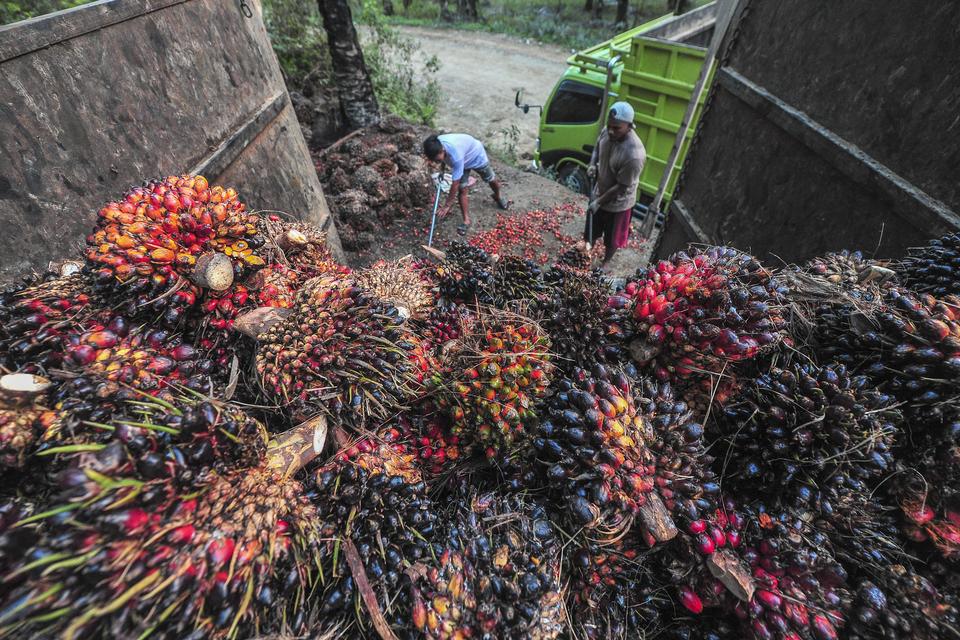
935	268
591	445
400	284
695	316
162	243
515	278
491	380
373	495
341	351
465	274
497	576
583	328
233	558
811	426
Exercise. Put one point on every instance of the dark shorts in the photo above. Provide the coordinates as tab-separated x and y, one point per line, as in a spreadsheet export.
614	226
485	172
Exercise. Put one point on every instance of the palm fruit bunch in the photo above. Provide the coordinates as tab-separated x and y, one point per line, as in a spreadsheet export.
682	476
908	345
497	576
845	269
575	257
515	278
429	436
935	268
339	350
591	444
491	380
583	327
163	242
275	285
372	498
697	316
155	450
298	245
23	418
447	321
399	284
233	558
465	274
35	320
900	604
809	426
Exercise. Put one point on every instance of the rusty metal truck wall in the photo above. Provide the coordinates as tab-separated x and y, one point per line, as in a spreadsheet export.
95	99
830	125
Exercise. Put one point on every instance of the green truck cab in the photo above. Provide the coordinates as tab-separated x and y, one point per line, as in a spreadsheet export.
646	66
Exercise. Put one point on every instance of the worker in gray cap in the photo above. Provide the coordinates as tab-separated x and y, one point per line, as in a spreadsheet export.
615	169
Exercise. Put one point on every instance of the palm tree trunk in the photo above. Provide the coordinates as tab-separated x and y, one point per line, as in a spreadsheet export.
388	7
622	7
357	99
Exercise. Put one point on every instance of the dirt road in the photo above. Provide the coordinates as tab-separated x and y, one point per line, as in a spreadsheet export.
481	72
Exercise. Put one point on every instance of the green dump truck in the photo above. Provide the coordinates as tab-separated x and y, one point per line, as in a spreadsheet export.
654	67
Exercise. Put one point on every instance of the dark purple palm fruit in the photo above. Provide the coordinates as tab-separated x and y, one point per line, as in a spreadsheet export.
909	346
234	556
339	351
898	602
683	476
514	279
698	318
372	496
576	257
498	574
808	426
447	321
583	327
935	268
465	274
591	446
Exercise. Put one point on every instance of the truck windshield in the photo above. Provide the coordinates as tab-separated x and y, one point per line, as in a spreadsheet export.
575	103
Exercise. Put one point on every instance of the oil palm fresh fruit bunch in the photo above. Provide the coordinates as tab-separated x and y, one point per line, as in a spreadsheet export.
338	350
447	321
900	603
300	246
846	269
515	278
465	274
497	576
697	316
491	380
591	445
935	268
575	257
153	450
165	242
372	501
427	435
805	425
23	418
582	326
276	285
683	475
36	319
233	558
399	284
908	345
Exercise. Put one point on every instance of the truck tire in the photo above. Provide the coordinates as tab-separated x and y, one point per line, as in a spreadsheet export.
574	177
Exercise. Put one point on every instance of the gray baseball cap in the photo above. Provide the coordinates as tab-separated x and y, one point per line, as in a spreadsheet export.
622	111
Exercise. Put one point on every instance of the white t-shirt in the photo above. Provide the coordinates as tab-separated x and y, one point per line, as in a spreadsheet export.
462	152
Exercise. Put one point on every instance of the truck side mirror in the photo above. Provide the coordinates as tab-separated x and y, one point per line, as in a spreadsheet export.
524	107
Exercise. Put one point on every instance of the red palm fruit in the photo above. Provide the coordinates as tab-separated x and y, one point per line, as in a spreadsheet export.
233	558
696	316
489	374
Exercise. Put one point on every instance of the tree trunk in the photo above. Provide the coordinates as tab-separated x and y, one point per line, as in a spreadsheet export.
588	6
622	7
597	9
681	7
445	11
406	5
388	7
467	9
357	99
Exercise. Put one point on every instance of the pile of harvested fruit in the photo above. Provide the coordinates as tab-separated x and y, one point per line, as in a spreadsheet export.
211	429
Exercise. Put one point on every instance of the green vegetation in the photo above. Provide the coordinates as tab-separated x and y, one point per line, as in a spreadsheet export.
562	22
299	40
23	9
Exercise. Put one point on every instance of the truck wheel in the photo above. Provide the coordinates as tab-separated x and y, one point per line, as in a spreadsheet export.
574	177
